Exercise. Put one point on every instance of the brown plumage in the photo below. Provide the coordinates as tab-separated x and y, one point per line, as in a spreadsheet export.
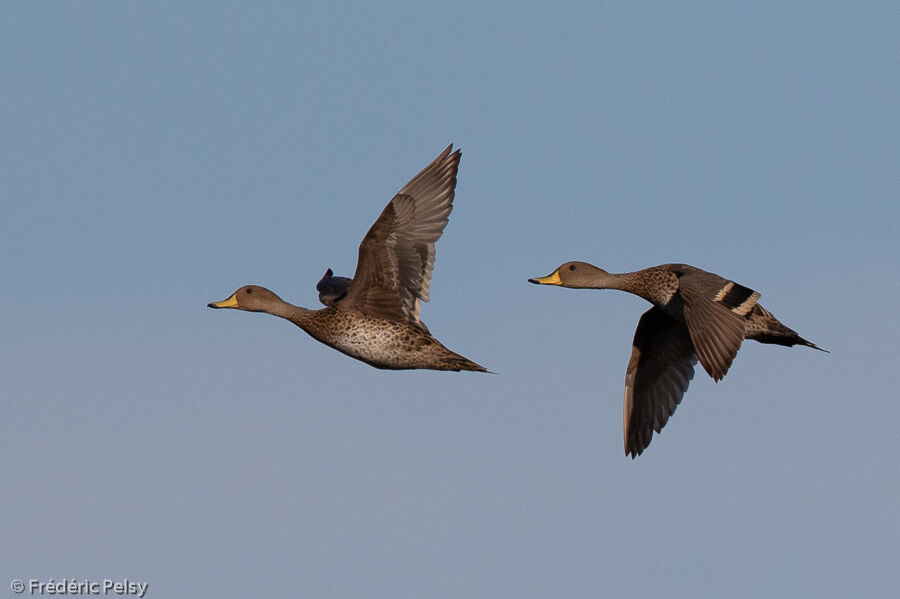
375	316
696	315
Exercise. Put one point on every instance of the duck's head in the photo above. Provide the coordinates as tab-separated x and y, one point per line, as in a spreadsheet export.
577	275
252	298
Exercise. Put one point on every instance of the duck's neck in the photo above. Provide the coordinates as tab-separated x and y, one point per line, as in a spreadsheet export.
296	314
649	283
623	281
591	277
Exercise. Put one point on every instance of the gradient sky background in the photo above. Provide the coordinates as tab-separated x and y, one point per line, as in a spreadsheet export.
157	156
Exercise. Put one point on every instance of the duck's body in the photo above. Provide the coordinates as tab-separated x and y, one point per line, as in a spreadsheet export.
696	315
670	286
386	344
374	317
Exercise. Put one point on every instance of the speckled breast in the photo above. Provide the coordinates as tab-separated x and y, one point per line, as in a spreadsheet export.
379	342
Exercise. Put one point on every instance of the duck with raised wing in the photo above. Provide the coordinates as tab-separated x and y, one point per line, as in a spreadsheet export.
375	317
695	315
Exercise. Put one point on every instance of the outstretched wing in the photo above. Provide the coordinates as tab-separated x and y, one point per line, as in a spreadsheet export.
396	256
659	372
715	310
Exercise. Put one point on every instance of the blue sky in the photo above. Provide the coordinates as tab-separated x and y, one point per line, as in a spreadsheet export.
156	156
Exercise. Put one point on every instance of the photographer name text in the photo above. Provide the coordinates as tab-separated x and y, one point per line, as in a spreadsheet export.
71	586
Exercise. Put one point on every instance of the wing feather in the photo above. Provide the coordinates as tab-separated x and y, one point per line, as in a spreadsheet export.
658	374
396	257
715	313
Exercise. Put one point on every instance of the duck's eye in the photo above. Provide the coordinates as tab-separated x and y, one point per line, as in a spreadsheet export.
249	291
571	267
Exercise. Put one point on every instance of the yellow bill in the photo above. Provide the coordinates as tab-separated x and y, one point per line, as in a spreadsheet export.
231	302
552	279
